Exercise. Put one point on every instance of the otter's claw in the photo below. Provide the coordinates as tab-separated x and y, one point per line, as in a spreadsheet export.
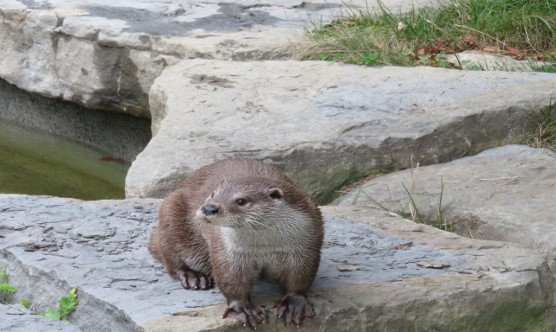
246	312
293	308
194	280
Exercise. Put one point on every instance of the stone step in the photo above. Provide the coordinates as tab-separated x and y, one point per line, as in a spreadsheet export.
378	272
507	194
326	123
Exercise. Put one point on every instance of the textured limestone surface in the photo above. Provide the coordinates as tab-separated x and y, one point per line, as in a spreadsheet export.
328	123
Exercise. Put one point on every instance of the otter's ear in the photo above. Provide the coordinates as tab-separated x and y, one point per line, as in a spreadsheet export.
275	193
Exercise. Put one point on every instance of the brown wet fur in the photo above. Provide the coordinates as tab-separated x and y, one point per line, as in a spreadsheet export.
256	214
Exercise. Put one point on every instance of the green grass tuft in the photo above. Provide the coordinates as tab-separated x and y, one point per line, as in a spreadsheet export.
6	290
413	210
67	305
518	28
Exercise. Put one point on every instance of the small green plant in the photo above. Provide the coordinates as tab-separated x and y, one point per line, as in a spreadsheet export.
67	305
438	220
24	303
369	59
6	290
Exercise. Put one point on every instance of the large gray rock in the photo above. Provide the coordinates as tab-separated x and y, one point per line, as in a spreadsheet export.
507	193
378	272
53	244
328	123
106	54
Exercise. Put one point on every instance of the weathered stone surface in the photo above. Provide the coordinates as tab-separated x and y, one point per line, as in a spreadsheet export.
507	193
107	54
53	244
328	123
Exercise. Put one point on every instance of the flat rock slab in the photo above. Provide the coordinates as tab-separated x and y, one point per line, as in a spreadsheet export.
106	54
378	271
327	123
507	193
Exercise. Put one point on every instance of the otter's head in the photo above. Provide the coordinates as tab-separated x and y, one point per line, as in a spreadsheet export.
247	202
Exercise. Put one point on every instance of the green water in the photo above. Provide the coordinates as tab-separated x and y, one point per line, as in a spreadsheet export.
37	163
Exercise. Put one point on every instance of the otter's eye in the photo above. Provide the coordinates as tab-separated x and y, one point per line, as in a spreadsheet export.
241	201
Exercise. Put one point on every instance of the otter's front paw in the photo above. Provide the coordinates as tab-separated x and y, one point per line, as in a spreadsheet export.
194	280
293	308
246	312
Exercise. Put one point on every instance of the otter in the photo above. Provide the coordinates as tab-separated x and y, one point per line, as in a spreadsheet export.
234	221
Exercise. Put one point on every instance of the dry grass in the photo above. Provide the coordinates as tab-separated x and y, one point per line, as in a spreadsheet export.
518	28
545	135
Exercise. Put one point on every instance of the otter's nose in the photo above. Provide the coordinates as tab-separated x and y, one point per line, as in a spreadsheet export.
209	209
